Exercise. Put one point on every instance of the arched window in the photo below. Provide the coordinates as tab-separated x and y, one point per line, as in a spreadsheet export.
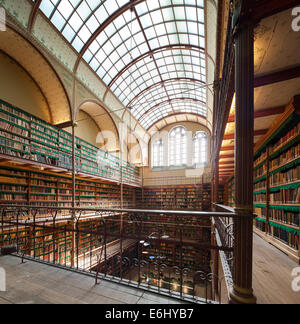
200	144
158	154
178	147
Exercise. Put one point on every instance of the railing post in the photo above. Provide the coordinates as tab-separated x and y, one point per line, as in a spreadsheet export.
242	292
105	243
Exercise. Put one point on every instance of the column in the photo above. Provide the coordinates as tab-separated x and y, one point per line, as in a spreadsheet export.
73	196
242	292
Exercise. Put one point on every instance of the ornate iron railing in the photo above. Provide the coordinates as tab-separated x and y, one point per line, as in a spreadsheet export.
167	252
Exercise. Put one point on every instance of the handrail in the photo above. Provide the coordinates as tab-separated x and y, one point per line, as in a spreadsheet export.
227	208
142	211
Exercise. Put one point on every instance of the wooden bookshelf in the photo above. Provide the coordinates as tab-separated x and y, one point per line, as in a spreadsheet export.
276	194
179	197
230	192
277	186
26	186
25	137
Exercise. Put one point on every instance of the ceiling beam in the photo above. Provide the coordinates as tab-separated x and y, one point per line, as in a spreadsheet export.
275	77
152	52
226	162
265	8
64	125
256	133
170	101
174	115
263	113
160	83
229	156
227	148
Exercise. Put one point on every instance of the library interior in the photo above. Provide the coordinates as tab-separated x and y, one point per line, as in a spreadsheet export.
149	151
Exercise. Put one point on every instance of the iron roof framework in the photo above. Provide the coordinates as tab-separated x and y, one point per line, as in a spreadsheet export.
151	54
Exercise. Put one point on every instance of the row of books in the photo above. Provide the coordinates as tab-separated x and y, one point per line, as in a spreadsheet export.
12	137
286	196
287	238
284	217
51	191
44	159
260	159
10	144
14	120
260	225
260	198
12	187
285	157
260	185
43	183
16	112
286	177
66	192
13	152
13	197
44	128
292	133
49	142
260	171
260	211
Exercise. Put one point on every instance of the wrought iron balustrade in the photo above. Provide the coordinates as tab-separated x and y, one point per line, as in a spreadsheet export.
167	252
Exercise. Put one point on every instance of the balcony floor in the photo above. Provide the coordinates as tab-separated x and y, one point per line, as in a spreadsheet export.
35	283
272	275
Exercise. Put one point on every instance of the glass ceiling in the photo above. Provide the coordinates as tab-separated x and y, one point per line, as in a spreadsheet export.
152	57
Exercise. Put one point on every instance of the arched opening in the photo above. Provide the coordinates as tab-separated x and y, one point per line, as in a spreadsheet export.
42	74
106	136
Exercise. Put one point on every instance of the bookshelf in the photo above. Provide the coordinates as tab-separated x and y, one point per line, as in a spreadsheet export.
230	192
277	182
180	197
276	195
26	186
26	137
221	194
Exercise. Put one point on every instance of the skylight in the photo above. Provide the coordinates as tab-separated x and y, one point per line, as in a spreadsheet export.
152	57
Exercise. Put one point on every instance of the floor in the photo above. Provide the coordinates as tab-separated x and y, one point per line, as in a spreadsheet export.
272	275
35	283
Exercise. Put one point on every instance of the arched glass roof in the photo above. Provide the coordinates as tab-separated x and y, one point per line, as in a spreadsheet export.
150	53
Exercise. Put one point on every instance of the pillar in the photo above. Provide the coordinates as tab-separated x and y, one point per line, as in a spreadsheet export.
242	292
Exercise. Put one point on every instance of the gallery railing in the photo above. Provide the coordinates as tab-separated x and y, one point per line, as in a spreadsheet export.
167	252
